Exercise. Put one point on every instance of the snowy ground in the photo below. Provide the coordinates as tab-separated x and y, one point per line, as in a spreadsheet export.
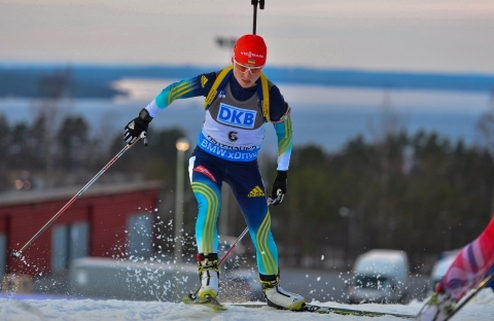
19	308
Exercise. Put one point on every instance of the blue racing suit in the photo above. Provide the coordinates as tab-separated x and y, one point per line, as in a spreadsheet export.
226	151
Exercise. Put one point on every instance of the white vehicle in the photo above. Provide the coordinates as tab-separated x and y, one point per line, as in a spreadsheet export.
150	280
380	276
439	270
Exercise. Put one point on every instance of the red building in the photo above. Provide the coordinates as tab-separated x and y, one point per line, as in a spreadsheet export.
105	221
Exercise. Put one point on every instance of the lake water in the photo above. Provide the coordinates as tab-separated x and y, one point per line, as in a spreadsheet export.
327	117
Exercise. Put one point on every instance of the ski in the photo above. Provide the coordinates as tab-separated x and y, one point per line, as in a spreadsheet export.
354	312
208	302
313	308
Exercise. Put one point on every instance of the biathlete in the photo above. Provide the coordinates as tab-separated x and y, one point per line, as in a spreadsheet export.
239	101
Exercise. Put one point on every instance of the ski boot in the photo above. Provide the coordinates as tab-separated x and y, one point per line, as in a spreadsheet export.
277	297
439	307
207	265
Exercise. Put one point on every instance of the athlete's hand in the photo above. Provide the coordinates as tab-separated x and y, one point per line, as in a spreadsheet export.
279	188
136	126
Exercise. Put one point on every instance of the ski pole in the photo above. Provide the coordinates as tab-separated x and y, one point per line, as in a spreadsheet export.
232	247
17	254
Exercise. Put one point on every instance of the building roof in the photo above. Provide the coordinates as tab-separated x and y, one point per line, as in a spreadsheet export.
33	196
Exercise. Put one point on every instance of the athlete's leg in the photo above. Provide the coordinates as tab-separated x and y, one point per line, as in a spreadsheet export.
206	186
248	188
471	264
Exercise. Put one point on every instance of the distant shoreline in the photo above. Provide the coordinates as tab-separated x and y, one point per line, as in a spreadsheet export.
329	125
95	81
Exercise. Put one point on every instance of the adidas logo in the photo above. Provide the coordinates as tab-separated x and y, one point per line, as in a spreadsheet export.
256	192
204	80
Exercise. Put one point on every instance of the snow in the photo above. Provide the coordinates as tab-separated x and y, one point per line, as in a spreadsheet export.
17	308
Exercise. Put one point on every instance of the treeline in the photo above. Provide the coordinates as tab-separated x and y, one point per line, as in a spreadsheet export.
419	193
39	82
52	152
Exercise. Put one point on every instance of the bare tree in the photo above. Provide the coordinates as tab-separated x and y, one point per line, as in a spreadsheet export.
485	130
386	133
52	90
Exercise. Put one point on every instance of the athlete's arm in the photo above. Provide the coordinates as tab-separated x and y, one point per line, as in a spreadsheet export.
187	88
280	118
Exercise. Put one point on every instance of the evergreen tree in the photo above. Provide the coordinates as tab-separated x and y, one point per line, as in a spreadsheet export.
73	141
4	151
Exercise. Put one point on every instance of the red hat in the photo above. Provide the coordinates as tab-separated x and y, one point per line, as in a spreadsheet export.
250	50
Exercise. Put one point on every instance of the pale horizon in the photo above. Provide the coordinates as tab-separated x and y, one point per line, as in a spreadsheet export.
423	36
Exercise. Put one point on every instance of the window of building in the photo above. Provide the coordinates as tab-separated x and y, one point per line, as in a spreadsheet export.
3	256
59	248
68	242
79	240
140	235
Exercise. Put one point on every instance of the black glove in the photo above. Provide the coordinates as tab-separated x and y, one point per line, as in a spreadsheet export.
279	188
136	126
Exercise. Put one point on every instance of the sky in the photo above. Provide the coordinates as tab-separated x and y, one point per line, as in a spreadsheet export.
480	308
419	35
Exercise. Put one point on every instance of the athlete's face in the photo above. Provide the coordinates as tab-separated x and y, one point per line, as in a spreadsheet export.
246	75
